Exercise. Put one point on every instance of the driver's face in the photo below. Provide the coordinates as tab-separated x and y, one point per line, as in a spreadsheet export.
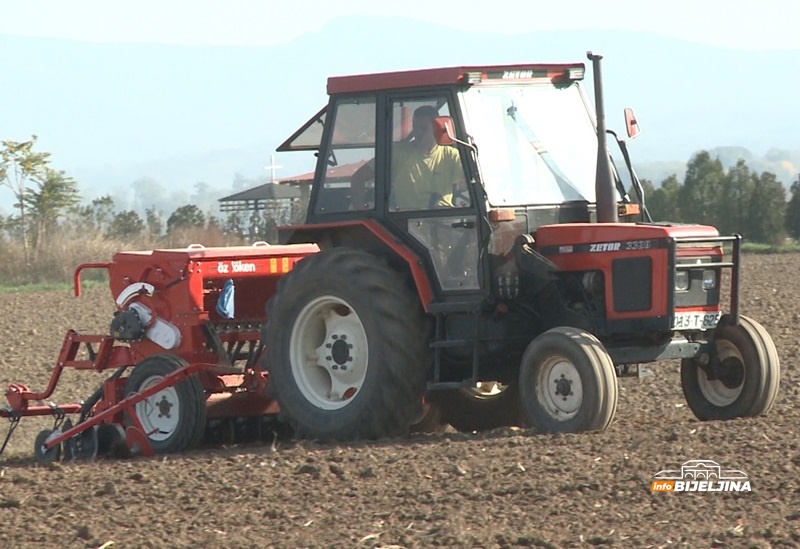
422	127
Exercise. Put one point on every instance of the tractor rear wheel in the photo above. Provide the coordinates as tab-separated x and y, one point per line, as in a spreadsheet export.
568	382
746	383
173	419
481	408
347	344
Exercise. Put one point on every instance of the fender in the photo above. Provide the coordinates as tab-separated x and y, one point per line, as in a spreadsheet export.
321	233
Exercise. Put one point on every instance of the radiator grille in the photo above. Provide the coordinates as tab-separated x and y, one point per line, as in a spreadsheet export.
632	283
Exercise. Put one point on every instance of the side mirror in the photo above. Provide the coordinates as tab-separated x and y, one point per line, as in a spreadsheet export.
631	124
444	130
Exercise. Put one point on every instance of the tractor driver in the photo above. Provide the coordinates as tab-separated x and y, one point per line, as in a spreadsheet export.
425	175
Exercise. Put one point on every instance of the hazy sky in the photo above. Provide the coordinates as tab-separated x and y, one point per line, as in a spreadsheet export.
742	24
118	126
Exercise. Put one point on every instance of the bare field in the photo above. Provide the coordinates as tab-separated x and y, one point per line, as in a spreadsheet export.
507	488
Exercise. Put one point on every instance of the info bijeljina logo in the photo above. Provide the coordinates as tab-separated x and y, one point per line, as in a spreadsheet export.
700	475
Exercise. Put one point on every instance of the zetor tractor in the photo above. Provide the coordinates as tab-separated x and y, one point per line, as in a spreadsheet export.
518	296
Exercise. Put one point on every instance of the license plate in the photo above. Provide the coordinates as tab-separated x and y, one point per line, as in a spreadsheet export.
695	321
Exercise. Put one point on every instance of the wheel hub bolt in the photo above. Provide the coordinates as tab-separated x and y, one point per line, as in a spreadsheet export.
340	352
164	406
563	387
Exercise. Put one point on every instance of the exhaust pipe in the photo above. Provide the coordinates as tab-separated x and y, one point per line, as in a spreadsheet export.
604	187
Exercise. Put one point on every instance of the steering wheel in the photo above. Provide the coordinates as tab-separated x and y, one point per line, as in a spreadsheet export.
461	198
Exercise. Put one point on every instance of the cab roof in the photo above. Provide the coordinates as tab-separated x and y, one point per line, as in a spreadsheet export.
308	137
452	76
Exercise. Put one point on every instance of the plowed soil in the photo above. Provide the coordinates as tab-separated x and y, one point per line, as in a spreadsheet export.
505	488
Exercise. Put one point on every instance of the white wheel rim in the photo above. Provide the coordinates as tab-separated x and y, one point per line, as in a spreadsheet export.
159	414
329	353
714	390
559	389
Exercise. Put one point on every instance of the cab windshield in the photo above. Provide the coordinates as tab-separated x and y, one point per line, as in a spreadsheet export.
537	143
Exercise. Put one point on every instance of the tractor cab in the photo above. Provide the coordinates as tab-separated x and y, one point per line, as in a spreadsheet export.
455	164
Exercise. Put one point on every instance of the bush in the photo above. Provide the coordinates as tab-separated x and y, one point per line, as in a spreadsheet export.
64	250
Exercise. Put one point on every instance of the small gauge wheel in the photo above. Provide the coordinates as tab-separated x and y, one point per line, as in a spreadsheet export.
43	454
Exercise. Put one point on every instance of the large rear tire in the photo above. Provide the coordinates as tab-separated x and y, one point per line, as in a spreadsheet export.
347	347
487	406
568	382
748	379
173	419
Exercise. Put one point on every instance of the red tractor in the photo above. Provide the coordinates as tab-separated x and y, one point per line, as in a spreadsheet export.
470	257
508	293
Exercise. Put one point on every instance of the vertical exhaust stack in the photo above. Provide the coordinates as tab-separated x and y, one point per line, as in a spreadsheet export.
604	187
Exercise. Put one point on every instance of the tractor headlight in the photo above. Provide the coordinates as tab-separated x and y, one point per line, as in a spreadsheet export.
709	279
682	280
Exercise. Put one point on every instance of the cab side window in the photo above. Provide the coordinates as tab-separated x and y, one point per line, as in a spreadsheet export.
349	155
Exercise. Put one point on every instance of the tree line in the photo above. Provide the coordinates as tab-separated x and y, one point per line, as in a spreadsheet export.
49	217
734	201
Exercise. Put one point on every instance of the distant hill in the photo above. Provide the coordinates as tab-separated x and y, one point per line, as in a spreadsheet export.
112	114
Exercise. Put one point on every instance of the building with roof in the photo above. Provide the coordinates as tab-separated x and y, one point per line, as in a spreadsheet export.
285	199
270	197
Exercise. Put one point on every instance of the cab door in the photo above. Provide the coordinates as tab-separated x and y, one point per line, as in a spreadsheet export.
427	191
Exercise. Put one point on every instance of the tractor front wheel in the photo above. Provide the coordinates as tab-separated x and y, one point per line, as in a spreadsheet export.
173	419
347	344
744	381
568	382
